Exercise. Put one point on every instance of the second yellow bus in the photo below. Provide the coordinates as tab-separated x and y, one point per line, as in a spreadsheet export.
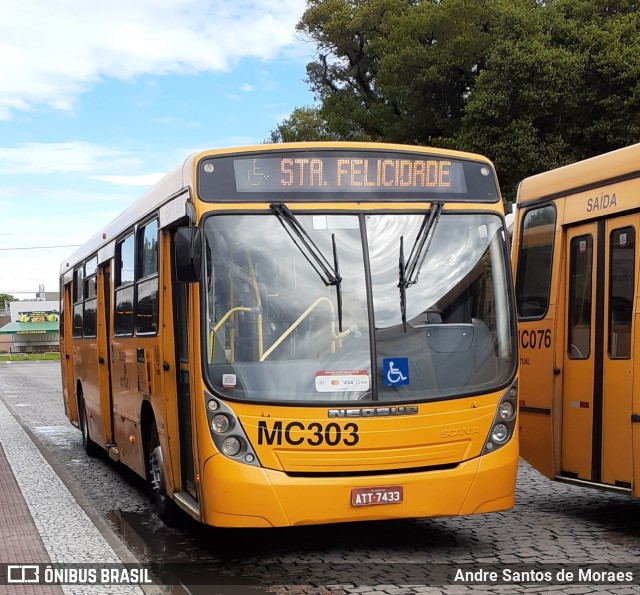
576	268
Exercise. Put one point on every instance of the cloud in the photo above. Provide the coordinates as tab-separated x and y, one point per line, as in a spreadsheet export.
47	158
53	51
140	180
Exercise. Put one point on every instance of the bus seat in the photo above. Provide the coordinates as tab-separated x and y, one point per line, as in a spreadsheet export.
462	353
485	368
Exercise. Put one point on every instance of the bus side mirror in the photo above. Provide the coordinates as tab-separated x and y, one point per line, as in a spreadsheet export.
188	253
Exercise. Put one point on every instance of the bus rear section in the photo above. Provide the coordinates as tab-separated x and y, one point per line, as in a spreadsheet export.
576	290
334	339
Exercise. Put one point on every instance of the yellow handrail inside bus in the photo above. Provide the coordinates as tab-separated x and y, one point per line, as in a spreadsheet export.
221	322
311	308
256	291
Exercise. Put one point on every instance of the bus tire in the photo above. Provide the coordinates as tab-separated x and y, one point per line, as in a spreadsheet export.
164	505
90	447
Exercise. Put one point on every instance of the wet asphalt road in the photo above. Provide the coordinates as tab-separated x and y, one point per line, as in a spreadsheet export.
559	526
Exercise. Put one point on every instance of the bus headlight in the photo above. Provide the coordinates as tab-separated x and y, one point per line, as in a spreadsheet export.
220	423
499	433
506	410
503	426
231	446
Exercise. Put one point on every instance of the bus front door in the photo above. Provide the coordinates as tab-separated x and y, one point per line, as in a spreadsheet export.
104	350
181	305
597	384
66	353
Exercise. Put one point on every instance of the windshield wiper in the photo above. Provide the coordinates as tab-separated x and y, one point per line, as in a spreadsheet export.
330	275
409	271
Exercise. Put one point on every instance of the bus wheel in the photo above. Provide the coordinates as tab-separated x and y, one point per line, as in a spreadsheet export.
164	505
90	447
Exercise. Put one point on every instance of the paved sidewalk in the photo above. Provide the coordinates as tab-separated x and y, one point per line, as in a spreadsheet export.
41	521
19	538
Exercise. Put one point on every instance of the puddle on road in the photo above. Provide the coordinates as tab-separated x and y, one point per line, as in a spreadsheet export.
149	537
180	557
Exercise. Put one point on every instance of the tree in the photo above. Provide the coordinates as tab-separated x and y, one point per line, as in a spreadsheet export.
532	84
304	124
561	87
4	299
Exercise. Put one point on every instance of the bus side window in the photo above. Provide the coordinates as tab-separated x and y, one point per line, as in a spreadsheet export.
78	288
533	281
580	287
621	284
147	305
123	312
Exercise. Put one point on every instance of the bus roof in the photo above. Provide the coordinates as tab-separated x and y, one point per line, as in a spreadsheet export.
581	176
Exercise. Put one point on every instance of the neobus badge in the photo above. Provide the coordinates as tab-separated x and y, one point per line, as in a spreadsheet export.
374	411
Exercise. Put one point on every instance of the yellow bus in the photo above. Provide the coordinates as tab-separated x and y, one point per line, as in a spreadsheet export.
575	266
302	333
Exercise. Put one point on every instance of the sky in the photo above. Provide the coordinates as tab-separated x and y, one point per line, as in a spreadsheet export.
99	100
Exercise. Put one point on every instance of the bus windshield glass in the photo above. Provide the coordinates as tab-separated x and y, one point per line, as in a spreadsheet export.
272	330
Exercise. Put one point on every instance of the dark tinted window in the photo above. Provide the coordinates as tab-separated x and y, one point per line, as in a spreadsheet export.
91	278
123	313
89	323
621	279
77	321
78	285
125	259
146	311
580	267
533	280
147	307
148	250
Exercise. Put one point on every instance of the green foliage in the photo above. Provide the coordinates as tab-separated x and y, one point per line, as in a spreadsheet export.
12	357
4	298
304	124
565	90
531	84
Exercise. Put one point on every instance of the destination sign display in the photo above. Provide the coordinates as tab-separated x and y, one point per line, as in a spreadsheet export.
348	174
328	175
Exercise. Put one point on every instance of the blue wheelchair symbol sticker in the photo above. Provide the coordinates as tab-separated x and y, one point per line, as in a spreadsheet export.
396	371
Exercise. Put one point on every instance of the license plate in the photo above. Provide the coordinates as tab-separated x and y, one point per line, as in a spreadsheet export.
373	496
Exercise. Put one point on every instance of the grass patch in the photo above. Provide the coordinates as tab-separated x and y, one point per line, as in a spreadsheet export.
27	357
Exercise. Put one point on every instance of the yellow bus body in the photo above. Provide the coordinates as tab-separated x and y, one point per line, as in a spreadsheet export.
577	317
123	388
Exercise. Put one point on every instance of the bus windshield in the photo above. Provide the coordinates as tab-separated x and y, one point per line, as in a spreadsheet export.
272	330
